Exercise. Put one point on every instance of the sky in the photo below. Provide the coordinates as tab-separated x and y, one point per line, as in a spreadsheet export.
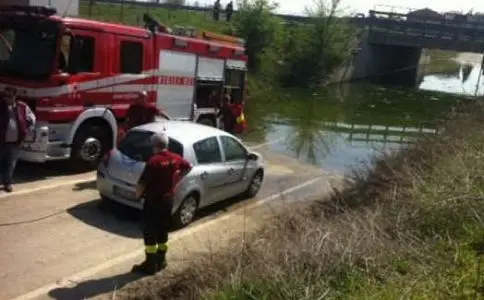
298	6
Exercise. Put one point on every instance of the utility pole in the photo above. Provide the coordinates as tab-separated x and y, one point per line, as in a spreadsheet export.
480	75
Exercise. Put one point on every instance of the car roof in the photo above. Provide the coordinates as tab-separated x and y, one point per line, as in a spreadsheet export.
185	132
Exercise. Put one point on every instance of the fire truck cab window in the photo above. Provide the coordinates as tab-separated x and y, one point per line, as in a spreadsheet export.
64	58
27	50
131	57
86	53
76	57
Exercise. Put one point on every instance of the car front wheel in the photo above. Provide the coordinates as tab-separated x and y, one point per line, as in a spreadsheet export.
255	185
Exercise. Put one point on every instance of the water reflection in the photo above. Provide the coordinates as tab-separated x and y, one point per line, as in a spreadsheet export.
346	125
463	82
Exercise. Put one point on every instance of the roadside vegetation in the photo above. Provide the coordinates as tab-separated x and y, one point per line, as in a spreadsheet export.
280	53
411	226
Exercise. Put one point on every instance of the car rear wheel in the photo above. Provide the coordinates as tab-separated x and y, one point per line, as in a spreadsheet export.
255	184
186	212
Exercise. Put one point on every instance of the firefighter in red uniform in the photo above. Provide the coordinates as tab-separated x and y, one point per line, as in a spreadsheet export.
233	116
156	185
238	113
226	114
139	113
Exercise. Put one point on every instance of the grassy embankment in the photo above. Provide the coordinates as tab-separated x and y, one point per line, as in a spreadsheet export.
411	227
133	14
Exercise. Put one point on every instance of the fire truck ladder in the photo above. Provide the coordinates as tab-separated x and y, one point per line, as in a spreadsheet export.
207	35
212	36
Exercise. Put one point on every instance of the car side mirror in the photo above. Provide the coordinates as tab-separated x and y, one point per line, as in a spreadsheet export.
252	156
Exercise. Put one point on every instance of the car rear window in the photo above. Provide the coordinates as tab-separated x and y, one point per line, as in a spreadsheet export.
137	145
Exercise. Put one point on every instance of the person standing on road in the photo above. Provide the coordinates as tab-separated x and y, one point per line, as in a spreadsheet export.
139	113
240	125
16	119
156	185
226	114
142	112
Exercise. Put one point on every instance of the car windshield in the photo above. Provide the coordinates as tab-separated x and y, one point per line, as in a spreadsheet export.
27	49
137	145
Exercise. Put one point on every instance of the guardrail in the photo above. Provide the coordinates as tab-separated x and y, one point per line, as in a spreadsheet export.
427	20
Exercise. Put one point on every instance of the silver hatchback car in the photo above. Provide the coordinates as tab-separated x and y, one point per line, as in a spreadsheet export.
223	167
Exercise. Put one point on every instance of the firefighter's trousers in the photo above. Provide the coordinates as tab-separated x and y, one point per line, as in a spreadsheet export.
157	223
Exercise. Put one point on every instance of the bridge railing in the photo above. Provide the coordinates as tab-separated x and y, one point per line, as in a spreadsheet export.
418	29
373	133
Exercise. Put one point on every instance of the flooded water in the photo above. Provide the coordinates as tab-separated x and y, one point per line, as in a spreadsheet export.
464	80
345	125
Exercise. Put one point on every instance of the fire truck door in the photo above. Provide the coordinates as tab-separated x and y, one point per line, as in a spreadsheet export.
176	84
134	75
87	62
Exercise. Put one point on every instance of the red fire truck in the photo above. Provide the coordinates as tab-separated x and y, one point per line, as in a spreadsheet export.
79	77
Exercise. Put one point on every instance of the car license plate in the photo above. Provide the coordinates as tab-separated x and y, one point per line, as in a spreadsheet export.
129	195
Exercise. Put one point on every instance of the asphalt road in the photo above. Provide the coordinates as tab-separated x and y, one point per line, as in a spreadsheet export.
57	243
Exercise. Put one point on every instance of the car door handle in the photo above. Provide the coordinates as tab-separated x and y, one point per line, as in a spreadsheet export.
231	171
204	175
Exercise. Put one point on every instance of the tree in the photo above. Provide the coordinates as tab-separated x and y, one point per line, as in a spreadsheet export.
256	24
314	50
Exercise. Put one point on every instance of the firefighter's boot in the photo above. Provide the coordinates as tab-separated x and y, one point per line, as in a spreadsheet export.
148	267
161	259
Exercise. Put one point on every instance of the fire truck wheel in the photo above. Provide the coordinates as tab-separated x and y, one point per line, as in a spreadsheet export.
90	144
206	121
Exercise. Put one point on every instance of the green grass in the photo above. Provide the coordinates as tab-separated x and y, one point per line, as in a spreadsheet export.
132	15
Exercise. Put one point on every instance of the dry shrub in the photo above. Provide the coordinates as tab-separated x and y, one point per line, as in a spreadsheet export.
397	210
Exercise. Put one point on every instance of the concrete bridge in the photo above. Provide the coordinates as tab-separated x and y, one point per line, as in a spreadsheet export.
385	28
392	45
